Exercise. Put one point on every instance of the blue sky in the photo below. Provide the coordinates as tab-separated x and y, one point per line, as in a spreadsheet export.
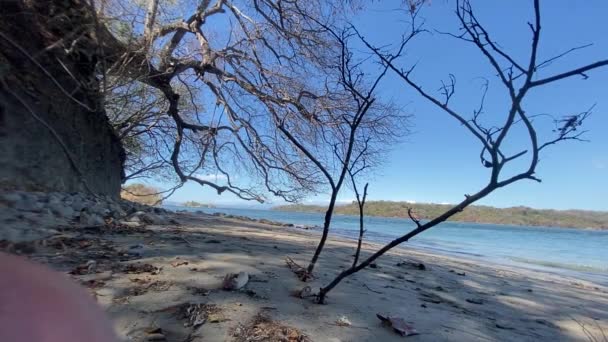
439	161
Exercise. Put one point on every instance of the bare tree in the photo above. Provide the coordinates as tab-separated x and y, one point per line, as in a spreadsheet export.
203	95
352	134
518	79
290	103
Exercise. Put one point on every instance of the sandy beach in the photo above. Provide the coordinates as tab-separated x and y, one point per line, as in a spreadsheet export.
163	281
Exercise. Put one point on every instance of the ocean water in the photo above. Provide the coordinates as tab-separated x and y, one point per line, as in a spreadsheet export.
577	252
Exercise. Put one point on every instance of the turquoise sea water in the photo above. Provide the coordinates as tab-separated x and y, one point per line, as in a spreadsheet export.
579	252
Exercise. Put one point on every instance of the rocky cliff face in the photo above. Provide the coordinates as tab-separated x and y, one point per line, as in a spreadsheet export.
50	105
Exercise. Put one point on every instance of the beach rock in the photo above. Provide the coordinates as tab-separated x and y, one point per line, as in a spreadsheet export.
411	264
503	326
61	209
131	224
10	198
90	219
477	301
234	281
99	209
116	211
77	205
55	197
155	337
343	321
147	218
136	217
33	215
28	203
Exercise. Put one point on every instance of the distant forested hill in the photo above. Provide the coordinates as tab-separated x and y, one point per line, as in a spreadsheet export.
482	214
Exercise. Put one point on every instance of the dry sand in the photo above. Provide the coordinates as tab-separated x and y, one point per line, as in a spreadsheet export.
452	300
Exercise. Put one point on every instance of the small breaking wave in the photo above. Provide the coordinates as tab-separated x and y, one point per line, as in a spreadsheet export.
561	265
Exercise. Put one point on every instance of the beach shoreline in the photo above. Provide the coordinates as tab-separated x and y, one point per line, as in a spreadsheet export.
462	243
452	299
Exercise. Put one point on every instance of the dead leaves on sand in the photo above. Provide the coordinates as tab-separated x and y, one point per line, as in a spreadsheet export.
196	314
262	328
139	268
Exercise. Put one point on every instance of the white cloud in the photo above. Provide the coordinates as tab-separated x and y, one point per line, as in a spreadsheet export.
212	178
599	163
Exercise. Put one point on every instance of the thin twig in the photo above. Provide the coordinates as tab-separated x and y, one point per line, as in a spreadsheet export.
369	288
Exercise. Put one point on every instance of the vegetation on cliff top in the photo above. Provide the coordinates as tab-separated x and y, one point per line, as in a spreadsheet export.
195	204
523	216
142	194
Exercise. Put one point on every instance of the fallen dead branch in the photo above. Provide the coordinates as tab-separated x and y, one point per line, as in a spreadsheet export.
299	271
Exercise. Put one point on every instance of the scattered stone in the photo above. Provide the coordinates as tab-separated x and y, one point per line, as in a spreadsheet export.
28	216
155	334
302	293
28	203
90	219
136	217
10	197
130	224
411	264
178	263
116	211
20	248
99	209
477	301
199	291
430	297
505	327
399	325
216	318
87	268
343	321
155	337
78	206
301	226
234	281
61	210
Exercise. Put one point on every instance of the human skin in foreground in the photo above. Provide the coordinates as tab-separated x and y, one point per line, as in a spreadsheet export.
39	305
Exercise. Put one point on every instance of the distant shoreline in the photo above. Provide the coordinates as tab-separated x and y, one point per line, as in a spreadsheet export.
514	216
